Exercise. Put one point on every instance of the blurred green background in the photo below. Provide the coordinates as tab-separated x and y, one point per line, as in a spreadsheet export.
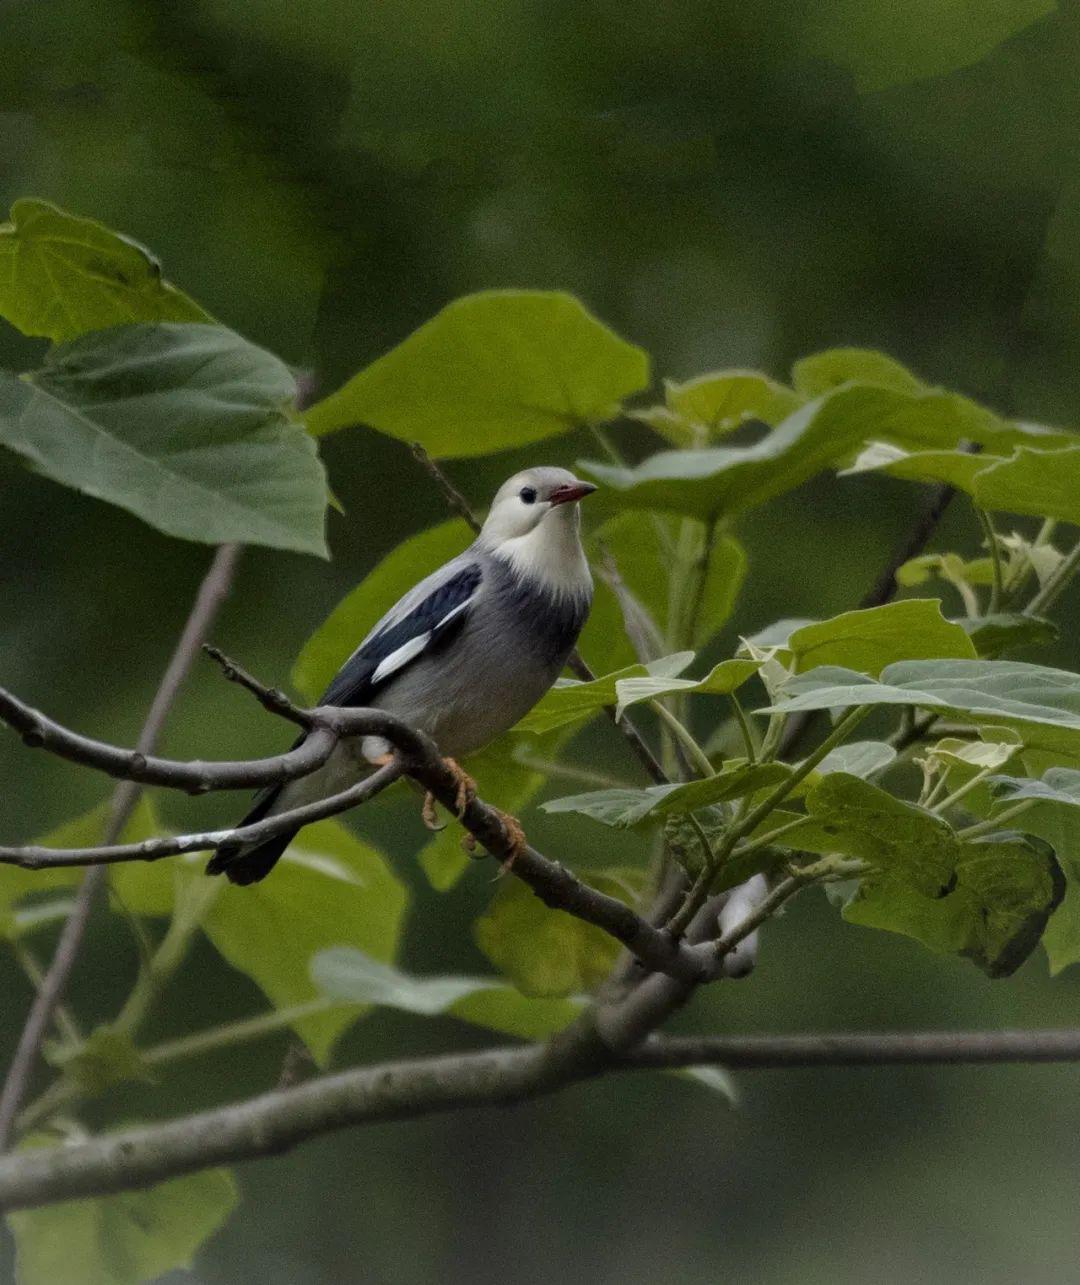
727	184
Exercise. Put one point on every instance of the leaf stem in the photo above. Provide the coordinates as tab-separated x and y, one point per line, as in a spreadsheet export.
1055	585
997	591
749	732
685	738
995	823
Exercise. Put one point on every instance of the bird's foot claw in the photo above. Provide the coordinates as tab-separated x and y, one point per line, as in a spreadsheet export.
466	786
429	815
515	837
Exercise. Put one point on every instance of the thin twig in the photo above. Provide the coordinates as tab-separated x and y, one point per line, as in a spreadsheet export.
272	699
212	593
451	494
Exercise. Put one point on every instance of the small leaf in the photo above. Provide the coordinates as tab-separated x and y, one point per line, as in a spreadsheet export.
709	406
546	952
857	758
1002	631
355	615
721	680
125	1239
624	808
489	372
329	888
715	1079
823	371
869	640
182	425
348	974
569	701
106	1057
61	276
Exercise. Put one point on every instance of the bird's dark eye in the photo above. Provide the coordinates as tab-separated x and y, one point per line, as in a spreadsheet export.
528	494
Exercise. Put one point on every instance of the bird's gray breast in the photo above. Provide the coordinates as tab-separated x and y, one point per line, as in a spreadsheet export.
510	650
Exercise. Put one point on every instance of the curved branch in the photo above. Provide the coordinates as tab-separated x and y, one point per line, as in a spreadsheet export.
275	1122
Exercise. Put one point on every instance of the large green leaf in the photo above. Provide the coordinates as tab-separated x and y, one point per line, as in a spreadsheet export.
61	276
569	700
628	807
547	952
348	974
329	888
1041	704
126	1239
489	372
988	901
702	409
145	888
338	636
891	42
1043	483
871	639
182	425
821	372
726	480
1003	631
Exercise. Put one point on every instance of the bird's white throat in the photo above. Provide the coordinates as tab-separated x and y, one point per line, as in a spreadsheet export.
550	554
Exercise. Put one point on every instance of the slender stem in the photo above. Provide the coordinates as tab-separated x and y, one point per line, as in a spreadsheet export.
571	772
773	836
685	738
997	592
232	1033
961	792
1052	589
995	823
746	728
64	1018
212	593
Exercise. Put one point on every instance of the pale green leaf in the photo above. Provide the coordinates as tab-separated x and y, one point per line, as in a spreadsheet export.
569	701
348	974
106	1057
857	758
624	808
1043	483
721	680
821	372
489	372
1002	631
126	1239
329	888
355	615
698	411
547	952
61	276
183	425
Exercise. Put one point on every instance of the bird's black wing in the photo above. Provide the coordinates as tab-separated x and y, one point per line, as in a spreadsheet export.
397	643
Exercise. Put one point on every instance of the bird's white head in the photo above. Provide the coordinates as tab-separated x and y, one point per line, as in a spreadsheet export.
535	525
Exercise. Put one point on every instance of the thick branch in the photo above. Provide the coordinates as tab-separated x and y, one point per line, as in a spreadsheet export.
275	1122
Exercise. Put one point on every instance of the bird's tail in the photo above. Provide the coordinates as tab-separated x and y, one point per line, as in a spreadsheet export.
245	863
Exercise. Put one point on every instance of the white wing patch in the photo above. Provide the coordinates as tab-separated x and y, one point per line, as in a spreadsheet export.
410	650
406	652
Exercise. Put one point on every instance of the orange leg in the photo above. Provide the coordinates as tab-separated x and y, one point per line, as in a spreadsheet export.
516	839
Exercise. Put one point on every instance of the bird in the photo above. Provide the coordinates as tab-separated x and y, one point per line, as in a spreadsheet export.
463	656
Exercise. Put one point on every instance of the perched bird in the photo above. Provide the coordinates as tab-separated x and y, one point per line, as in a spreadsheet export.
462	656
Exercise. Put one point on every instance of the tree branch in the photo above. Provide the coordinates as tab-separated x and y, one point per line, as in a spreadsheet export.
212	593
275	1122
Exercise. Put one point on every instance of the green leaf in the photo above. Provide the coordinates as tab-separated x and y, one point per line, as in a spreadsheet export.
569	701
355	615
709	406
887	44
624	808
856	758
105	1058
644	566
957	468
1002	631
986	900
726	480
1043	483
547	952
489	372
348	974
869	640
1041	704
125	1239
146	888
821	372
713	1078
61	276
329	888
182	425
721	680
